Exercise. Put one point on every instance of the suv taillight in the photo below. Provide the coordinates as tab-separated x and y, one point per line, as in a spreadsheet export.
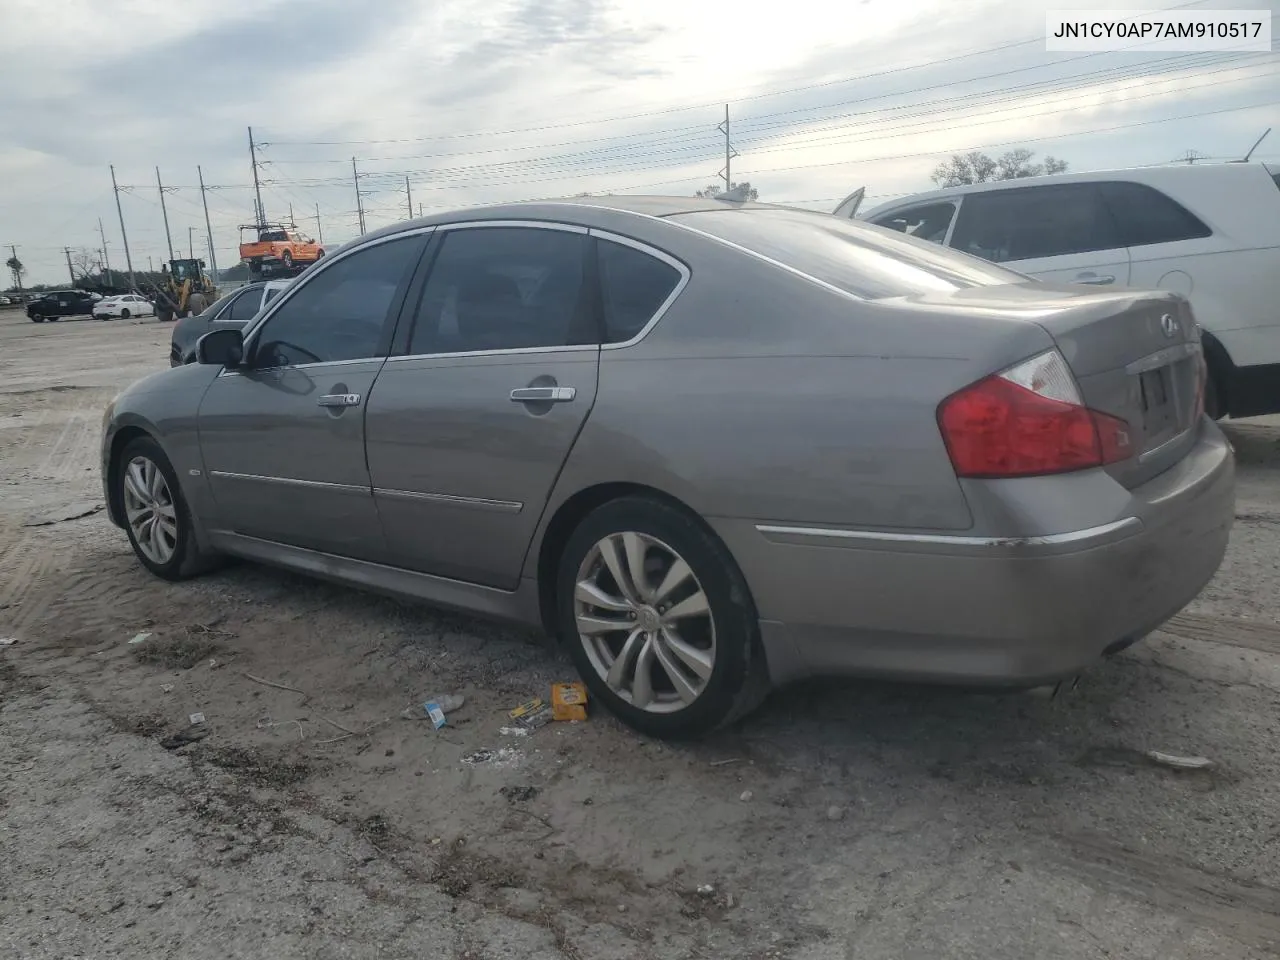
1029	421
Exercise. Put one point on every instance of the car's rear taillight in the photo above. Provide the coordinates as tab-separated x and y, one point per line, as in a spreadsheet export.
1029	421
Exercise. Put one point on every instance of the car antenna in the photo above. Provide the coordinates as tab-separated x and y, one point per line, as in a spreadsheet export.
1254	147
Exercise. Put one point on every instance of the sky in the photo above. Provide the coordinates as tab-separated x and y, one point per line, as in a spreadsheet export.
525	99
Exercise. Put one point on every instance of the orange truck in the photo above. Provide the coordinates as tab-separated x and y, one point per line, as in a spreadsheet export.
277	249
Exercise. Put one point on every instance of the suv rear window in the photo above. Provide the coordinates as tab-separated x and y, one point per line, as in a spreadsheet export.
1145	215
868	262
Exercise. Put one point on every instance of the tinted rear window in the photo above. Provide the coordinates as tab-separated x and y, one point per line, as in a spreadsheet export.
866	261
1145	215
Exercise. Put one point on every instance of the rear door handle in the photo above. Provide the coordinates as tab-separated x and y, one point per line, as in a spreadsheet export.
543	394
339	400
1094	279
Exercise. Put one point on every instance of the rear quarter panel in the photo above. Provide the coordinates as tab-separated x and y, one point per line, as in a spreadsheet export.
761	395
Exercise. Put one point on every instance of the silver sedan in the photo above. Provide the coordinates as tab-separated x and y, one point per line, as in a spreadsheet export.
712	446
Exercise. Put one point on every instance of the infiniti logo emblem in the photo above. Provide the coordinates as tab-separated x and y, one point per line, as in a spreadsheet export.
1169	325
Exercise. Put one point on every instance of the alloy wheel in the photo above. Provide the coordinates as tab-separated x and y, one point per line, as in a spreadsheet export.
645	622
150	510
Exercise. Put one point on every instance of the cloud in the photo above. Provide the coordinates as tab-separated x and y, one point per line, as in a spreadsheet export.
527	98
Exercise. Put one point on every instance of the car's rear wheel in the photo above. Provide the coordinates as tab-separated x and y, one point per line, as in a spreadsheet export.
658	619
156	515
287	259
35	319
124	314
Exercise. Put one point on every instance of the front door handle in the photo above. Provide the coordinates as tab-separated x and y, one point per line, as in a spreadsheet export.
339	400
1095	280
543	394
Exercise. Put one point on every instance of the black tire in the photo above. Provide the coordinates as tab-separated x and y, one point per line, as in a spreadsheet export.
319	254
287	259
187	560
124	314
164	314
738	681
37	319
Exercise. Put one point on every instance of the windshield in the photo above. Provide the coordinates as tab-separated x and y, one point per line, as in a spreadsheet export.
866	261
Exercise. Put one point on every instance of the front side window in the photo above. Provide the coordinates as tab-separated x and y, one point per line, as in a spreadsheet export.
1033	222
928	222
341	313
633	286
854	257
504	288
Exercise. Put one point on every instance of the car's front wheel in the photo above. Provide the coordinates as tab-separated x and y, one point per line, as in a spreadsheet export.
658	619
156	515
124	314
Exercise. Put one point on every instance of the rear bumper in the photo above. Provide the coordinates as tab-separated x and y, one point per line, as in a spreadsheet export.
1004	611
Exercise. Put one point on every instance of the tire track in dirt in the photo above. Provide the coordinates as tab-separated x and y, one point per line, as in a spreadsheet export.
1238	909
29	590
1246	634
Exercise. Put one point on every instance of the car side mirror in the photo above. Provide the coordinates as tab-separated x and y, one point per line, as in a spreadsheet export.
223	348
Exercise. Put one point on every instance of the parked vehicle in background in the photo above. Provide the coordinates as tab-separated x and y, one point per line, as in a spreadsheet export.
276	248
1208	231
232	311
62	303
5	302
123	307
541	412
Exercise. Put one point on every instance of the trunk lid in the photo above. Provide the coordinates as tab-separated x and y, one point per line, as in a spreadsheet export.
1135	356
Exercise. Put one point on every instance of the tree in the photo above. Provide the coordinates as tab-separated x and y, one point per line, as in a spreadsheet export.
17	269
975	167
715	190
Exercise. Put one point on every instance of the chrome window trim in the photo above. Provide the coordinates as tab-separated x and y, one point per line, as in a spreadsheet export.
479	503
1128	526
660	255
509	352
224	372
532	224
292	482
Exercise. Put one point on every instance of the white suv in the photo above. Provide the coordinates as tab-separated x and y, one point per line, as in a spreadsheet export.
1208	231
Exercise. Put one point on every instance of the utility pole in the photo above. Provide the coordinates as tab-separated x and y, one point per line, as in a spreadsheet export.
292	222
319	229
128	260
191	244
409	193
729	152
70	269
164	210
106	254
355	176
208	228
151	267
17	275
419	209
257	189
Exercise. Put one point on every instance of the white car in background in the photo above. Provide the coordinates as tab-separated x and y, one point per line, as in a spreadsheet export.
1208	231
123	307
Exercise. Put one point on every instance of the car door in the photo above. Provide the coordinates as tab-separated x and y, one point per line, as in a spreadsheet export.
1058	232
283	436
469	426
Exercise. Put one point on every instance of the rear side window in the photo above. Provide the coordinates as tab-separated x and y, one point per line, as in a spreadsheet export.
633	286
505	288
928	222
1034	222
1145	215
859	259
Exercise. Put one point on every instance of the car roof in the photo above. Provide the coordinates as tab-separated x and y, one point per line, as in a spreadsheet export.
1171	174
565	209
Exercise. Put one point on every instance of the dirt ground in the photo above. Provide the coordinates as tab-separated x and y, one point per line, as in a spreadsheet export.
844	820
